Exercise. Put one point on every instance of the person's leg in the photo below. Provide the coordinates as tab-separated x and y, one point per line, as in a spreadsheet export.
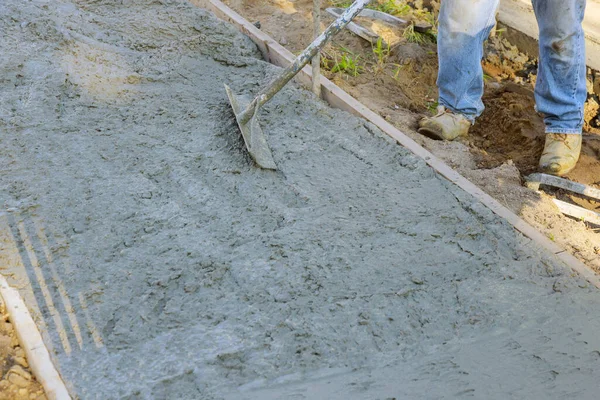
463	26
560	89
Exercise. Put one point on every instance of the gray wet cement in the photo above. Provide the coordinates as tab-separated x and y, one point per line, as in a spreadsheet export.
175	269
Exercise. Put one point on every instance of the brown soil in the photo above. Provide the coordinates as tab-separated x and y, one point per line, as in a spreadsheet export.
17	381
505	143
509	129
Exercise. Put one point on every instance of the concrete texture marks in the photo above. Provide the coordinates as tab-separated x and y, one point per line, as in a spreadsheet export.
159	263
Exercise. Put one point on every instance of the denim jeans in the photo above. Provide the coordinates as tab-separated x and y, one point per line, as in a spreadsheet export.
560	89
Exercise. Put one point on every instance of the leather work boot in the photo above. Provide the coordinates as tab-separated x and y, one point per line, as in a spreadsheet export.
445	125
561	153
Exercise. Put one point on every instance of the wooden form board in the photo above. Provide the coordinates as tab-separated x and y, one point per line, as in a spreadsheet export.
336	97
518	14
32	343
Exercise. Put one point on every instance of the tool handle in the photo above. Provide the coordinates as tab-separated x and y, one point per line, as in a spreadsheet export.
275	86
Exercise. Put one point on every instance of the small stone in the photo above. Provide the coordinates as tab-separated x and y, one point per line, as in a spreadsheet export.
5	341
18	380
79	227
4	384
19	371
23	392
19	352
6	327
21	361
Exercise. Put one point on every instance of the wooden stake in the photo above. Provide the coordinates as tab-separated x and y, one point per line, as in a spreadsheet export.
316	61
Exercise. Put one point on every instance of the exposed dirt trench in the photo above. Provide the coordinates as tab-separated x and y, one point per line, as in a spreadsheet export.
18	382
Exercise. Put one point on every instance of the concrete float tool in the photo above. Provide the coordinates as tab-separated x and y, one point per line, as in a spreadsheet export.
247	116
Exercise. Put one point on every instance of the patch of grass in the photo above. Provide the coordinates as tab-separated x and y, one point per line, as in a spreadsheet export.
500	31
425	16
382	52
433	35
399	68
347	64
393	7
430	18
432	106
413	36
341	3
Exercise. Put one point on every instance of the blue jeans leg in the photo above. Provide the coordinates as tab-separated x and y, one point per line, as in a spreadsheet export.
560	90
463	27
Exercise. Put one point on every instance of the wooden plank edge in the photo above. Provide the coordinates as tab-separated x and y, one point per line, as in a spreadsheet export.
336	97
31	341
578	212
518	14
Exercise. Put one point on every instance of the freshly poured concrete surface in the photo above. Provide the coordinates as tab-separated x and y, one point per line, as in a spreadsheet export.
163	264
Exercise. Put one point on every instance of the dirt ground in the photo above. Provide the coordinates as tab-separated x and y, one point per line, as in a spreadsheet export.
504	145
160	263
17	381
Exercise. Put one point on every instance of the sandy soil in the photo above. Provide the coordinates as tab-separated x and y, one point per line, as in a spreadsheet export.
504	145
17	381
160	263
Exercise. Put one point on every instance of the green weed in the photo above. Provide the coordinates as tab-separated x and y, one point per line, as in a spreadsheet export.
399	68
393	7
413	36
341	3
430	18
348	64
500	31
425	16
432	106
382	52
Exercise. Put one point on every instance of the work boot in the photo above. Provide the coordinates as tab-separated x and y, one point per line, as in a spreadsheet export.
445	125
561	153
